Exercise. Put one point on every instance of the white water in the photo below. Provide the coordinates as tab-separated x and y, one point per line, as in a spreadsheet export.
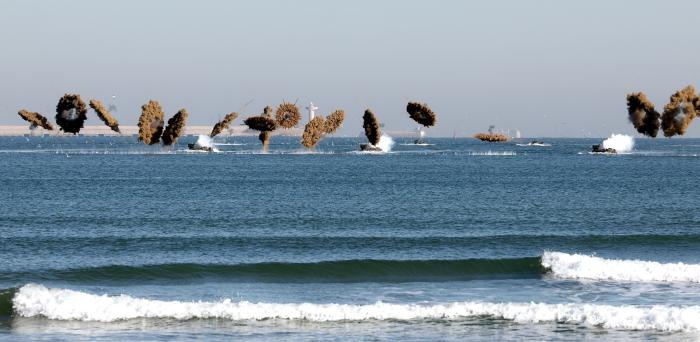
578	266
205	141
37	300
620	142
386	143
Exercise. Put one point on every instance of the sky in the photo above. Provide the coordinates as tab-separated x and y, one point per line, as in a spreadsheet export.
546	68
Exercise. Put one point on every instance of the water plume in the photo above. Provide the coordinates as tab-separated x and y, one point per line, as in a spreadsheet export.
421	113
104	115
35	119
680	112
386	143
313	131
223	124
371	126
203	143
151	122
334	121
287	115
175	128
71	113
619	142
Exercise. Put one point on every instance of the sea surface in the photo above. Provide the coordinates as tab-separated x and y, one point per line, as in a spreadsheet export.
103	238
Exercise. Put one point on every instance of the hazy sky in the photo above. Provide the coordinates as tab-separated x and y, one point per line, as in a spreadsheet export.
548	68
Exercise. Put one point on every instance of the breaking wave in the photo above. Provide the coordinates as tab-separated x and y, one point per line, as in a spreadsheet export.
578	266
34	300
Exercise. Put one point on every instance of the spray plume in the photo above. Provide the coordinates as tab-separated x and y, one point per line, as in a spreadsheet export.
287	115
71	113
151	123
35	119
104	115
642	114
371	126
223	124
421	113
313	131
680	112
175	128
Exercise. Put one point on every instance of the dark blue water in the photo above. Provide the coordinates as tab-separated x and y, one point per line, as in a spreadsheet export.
459	221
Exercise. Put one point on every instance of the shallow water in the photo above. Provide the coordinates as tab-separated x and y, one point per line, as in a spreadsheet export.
457	240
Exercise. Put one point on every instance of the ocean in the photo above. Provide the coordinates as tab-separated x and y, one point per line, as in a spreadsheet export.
103	238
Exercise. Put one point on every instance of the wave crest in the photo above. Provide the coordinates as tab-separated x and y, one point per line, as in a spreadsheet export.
578	266
34	300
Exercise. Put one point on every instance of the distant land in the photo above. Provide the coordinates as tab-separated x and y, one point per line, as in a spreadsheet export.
240	130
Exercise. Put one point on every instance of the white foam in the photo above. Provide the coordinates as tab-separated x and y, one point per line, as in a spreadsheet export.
36	300
578	266
492	153
620	142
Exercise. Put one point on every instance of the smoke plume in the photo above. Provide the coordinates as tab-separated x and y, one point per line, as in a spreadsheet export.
263	123
680	112
71	113
287	115
35	119
421	113
151	123
223	124
642	114
491	137
334	121
313	131
371	126
175	128
104	115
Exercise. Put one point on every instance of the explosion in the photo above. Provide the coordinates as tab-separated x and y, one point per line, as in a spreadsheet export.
421	113
680	112
104	115
287	115
71	113
263	123
642	114
371	126
176	126
223	124
313	131
491	137
151	123
334	121
35	119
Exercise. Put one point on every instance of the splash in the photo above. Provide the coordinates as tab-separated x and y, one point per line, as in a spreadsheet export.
386	143
619	142
34	300
205	141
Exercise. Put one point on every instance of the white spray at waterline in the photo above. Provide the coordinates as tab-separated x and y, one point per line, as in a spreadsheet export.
620	142
205	141
386	143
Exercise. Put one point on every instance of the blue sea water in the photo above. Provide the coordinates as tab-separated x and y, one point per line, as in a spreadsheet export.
103	238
